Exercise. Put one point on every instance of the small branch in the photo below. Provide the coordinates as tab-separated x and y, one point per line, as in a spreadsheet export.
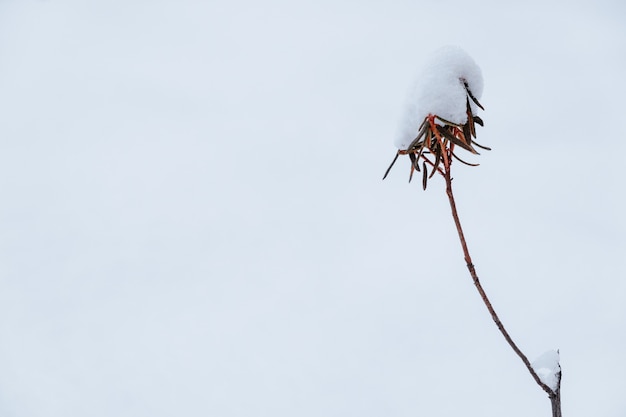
554	396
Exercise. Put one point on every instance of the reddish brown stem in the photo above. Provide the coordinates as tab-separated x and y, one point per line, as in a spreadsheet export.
555	396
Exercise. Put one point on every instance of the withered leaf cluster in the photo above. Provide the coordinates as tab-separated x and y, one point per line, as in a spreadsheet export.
436	140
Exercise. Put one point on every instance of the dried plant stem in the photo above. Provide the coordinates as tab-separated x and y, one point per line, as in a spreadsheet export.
555	396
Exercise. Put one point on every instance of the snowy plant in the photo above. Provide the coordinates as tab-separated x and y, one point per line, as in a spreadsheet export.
441	116
441	113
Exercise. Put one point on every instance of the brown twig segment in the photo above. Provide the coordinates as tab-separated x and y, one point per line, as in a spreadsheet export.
555	396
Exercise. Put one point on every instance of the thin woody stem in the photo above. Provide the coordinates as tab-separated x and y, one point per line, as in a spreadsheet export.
554	396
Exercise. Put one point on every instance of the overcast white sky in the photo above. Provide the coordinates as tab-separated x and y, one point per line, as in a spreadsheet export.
193	222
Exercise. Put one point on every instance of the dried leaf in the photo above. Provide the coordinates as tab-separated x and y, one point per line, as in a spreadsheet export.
469	93
458	141
390	166
414	161
422	131
481	146
428	138
467	133
437	161
462	161
447	122
470	122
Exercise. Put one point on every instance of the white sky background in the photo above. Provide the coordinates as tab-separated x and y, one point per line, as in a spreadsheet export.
193	220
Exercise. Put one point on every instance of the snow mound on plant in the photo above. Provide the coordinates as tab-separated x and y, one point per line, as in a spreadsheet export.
439	90
548	369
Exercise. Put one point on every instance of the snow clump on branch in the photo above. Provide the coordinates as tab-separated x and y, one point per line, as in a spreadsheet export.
548	369
441	90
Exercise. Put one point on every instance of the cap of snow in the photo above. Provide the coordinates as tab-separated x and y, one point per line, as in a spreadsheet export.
440	90
548	369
